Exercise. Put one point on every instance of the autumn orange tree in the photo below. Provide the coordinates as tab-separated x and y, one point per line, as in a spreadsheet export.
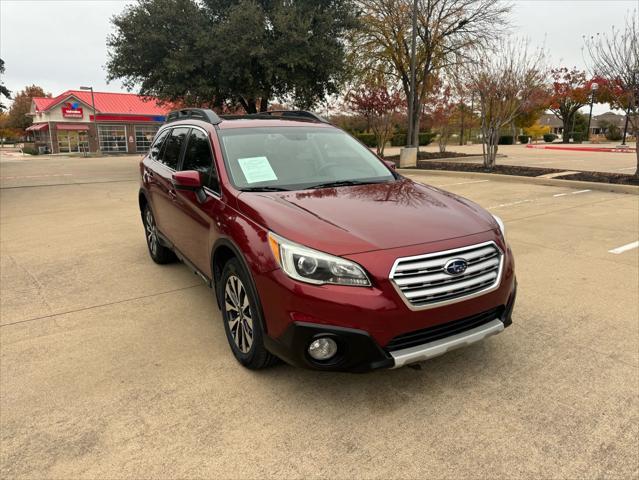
532	108
378	103
570	90
21	105
447	32
442	111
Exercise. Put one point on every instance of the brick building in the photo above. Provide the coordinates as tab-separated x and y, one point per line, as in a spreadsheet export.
126	123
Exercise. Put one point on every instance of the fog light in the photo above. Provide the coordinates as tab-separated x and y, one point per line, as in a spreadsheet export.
322	349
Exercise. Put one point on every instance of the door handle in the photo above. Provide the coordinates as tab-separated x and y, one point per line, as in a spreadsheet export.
172	193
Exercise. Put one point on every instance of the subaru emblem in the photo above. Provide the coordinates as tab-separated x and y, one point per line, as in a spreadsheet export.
456	266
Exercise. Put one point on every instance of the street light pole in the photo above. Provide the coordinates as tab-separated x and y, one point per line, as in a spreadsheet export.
95	124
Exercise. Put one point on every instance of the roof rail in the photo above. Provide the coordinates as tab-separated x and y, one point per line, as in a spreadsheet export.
203	114
295	113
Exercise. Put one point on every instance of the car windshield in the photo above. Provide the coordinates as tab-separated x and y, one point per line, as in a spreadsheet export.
298	158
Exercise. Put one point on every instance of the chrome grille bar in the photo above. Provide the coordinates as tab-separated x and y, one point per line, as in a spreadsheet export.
422	281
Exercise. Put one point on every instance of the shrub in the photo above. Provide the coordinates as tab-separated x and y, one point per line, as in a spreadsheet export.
30	150
523	138
506	140
613	133
577	137
367	139
426	138
399	140
550	137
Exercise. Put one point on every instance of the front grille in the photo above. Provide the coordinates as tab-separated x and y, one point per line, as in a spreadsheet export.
430	334
424	283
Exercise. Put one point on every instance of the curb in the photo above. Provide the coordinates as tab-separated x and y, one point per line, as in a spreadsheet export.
584	149
553	182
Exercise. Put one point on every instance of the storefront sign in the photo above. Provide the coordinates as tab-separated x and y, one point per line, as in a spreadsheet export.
72	110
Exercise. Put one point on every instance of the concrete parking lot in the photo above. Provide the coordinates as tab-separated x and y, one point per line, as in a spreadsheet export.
112	366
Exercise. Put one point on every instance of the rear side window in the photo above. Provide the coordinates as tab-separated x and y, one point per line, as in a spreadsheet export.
156	148
198	157
173	147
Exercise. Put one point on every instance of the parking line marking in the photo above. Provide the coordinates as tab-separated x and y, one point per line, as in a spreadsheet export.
462	183
570	193
39	176
624	248
510	204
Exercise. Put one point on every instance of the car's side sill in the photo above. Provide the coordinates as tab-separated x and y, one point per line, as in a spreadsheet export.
166	242
420	353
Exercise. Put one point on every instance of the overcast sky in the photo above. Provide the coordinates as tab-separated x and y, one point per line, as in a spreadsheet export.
60	44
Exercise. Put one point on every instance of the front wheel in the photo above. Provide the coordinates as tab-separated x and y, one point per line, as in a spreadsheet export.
159	253
242	319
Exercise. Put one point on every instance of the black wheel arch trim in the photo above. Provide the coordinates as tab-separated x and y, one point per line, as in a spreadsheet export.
228	243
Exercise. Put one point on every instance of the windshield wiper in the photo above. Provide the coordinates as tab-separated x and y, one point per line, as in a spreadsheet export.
343	183
265	189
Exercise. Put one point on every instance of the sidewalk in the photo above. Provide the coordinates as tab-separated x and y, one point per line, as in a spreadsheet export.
595	161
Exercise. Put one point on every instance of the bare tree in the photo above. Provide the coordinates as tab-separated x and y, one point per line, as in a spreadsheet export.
615	57
504	79
447	31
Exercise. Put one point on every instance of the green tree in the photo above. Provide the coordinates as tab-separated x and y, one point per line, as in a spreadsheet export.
579	126
221	53
18	118
4	91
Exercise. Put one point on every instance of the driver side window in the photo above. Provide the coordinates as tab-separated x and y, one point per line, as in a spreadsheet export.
198	157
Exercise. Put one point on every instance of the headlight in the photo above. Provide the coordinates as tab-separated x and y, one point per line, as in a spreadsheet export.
501	225
308	265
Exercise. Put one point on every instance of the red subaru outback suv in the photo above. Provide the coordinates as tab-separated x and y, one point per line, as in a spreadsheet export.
319	253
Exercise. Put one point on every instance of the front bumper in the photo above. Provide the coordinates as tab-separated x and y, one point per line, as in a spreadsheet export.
359	352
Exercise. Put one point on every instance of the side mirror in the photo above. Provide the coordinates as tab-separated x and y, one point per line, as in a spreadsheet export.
187	180
390	164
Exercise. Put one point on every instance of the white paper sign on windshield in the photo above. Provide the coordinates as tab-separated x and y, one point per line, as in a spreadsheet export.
257	169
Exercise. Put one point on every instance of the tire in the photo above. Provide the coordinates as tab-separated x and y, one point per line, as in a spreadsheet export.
242	317
159	253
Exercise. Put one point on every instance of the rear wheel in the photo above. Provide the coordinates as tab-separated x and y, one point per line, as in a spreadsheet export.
242	318
159	253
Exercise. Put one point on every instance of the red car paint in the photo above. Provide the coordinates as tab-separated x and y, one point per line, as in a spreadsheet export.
372	225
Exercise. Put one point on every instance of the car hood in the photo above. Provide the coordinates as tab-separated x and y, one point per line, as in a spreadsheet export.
347	220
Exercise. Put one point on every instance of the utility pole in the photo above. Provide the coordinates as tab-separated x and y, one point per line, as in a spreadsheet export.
472	112
408	154
461	113
625	128
413	95
95	124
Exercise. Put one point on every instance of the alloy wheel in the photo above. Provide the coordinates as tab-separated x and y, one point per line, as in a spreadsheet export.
151	232
238	312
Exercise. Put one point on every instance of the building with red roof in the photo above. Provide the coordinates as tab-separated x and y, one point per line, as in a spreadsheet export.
121	122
